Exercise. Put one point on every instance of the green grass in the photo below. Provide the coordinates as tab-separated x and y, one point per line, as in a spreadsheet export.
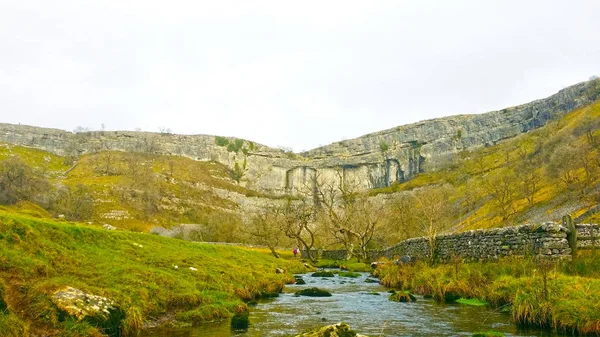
40	256
570	304
351	265
472	301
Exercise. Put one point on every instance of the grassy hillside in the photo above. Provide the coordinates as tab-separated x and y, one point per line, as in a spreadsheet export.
538	176
535	177
135	191
137	271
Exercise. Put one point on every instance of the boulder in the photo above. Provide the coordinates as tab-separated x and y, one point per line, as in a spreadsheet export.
109	227
313	292
404	259
97	310
300	280
324	273
335	330
402	296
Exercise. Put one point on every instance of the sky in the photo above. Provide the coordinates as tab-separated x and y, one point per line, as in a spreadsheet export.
292	74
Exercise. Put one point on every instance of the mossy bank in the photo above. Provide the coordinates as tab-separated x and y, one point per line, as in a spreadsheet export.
139	277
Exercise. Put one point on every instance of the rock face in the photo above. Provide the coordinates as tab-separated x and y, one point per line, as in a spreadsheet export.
374	160
336	330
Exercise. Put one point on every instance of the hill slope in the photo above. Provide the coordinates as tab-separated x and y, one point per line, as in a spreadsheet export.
145	275
534	177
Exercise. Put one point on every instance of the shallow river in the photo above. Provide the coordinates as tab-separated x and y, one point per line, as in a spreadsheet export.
353	302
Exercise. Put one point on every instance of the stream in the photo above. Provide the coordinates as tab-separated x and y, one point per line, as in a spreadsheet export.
365	306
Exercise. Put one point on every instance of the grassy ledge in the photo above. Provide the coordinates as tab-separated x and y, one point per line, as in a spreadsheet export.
146	275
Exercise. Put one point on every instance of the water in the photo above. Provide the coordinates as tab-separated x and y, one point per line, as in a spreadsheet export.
353	302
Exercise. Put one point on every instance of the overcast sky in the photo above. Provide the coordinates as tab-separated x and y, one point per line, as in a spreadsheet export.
297	74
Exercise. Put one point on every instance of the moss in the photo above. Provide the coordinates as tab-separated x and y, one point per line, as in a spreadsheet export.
202	314
240	321
472	301
349	274
402	296
313	292
300	281
325	273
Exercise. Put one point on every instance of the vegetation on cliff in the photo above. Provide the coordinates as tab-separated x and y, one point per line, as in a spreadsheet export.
534	177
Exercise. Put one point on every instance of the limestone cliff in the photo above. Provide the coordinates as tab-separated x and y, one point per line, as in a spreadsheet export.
374	160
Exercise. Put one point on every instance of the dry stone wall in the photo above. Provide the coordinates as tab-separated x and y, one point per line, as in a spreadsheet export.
588	236
548	240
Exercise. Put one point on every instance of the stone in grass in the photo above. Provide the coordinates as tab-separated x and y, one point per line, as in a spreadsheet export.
240	321
488	334
324	273
402	296
313	292
335	330
96	310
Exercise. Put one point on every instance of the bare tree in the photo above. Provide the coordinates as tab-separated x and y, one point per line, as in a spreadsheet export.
18	181
298	217
501	188
346	214
433	213
263	227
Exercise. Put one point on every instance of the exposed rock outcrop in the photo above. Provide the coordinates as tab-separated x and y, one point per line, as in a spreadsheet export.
97	310
374	160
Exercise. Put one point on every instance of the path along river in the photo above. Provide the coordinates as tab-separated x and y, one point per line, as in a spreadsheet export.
365	306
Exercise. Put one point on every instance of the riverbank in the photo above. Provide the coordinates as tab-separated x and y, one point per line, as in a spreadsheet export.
139	278
561	296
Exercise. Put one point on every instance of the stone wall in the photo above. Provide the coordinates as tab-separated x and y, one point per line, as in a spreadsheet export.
588	236
548	239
